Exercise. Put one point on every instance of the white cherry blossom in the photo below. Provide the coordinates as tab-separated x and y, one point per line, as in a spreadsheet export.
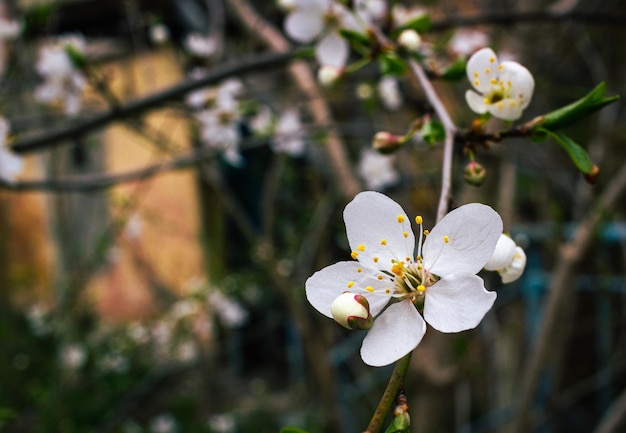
10	164
389	92
504	88
440	279
321	20
377	170
288	137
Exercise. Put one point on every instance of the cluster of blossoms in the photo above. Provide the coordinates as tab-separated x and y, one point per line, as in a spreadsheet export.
63	80
390	282
285	131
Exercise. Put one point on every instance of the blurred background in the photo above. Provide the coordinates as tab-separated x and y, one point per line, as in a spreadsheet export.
147	285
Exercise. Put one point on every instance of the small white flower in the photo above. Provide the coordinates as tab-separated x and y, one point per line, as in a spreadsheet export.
223	423
63	82
410	39
159	34
441	276
164	423
9	29
465	42
321	20
200	45
73	356
389	92
10	164
229	311
288	136
377	170
508	259
505	89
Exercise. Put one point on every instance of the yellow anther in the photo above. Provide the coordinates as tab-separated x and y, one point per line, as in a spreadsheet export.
487	101
383	242
426	232
475	74
400	219
387	290
397	268
487	70
476	83
492	60
493	81
369	288
419	267
405	234
418	258
418	219
421	288
354	255
375	259
500	105
446	239
361	247
407	259
380	277
512	103
350	284
500	67
359	270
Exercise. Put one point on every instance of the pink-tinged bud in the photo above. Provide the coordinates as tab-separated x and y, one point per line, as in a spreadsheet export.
386	142
474	173
352	311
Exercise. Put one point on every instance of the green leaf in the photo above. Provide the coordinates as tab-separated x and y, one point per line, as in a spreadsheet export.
420	24
433	132
456	71
577	154
392	64
292	430
579	109
355	37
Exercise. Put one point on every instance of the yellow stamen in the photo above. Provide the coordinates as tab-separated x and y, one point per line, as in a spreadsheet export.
426	232
359	270
418	219
375	259
446	239
380	277
400	219
487	71
421	288
361	247
405	234
369	288
383	242
350	284
354	255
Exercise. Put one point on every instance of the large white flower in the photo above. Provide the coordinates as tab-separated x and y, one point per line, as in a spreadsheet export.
440	279
504	89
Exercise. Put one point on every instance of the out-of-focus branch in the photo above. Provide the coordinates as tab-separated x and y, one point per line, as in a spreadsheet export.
305	79
614	417
559	289
140	106
92	183
448	144
534	17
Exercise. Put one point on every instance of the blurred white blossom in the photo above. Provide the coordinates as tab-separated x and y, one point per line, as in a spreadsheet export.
73	356
228	311
389	92
288	136
465	42
201	45
10	164
164	423
223	423
9	29
377	170
159	33
63	81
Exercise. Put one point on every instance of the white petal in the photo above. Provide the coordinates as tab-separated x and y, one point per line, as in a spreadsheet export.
397	331
522	82
10	165
324	286
372	225
476	102
481	68
502	255
303	26
507	109
332	50
472	231
515	268
457	303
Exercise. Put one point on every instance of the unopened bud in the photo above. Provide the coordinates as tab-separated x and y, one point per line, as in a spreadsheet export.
474	173
502	254
352	311
592	175
515	268
410	39
328	75
386	142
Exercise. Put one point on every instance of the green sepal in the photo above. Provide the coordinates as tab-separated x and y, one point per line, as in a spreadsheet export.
292	430
391	64
456	71
77	57
400	424
577	154
420	24
355	37
433	132
579	109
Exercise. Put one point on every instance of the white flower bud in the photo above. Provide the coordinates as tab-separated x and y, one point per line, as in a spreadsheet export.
352	311
327	75
410	39
502	255
515	268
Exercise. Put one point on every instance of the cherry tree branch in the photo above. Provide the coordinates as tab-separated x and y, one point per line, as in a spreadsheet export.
448	144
